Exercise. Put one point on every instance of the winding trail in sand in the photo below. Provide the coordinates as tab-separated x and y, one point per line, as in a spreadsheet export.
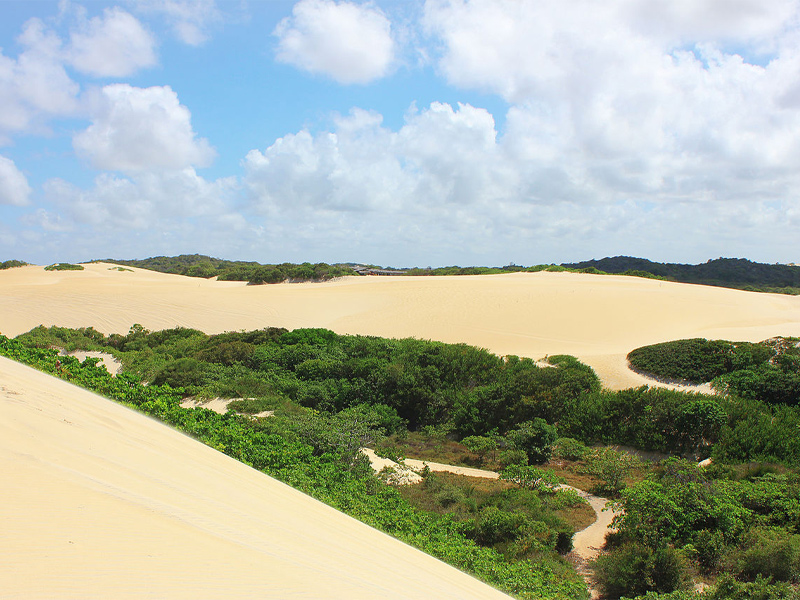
586	543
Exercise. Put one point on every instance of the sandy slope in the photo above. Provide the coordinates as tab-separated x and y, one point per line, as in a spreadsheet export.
98	501
597	318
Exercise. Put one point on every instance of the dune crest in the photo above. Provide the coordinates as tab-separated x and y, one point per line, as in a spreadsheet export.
599	319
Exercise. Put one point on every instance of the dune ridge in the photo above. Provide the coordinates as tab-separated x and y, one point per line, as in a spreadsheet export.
599	319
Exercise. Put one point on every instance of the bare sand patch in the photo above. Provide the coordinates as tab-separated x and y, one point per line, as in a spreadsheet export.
219	405
111	364
599	319
99	501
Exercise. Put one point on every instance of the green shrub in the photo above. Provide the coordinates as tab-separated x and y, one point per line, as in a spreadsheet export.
64	267
183	372
769	552
512	456
494	525
570	449
728	588
634	569
611	467
252	406
535	438
10	264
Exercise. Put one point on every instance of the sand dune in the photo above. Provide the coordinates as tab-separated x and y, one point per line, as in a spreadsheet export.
98	501
597	318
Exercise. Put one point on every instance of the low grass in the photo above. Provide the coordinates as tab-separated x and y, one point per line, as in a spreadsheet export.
433	448
464	499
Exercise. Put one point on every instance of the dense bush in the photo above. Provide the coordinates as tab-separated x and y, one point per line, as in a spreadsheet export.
696	360
63	267
768	371
570	449
536	438
634	569
726	272
10	264
196	265
736	521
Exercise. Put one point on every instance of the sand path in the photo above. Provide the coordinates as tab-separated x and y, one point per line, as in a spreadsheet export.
599	319
99	501
586	543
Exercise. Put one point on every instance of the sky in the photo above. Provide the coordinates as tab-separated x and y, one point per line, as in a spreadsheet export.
400	132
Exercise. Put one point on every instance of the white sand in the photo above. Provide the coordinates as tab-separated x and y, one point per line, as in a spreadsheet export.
111	364
597	318
98	501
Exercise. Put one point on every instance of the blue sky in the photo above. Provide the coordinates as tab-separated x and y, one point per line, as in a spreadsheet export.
401	133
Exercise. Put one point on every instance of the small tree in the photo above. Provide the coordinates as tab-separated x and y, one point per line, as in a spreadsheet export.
531	478
700	423
536	438
480	445
611	467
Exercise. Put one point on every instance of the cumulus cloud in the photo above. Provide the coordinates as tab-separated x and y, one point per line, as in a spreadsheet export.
34	86
141	201
348	42
190	19
447	187
138	129
636	103
14	188
115	44
440	156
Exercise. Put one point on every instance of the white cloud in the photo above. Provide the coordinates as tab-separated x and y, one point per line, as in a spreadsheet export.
135	129
14	188
113	45
147	200
47	221
34	86
190	19
441	156
169	212
635	103
348	42
446	188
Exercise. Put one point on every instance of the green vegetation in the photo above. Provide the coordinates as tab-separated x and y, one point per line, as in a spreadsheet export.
734	525
724	272
684	521
10	264
517	521
768	371
64	267
736	273
197	265
314	451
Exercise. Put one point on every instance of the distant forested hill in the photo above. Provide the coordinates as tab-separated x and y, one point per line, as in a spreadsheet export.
199	265
725	272
736	273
